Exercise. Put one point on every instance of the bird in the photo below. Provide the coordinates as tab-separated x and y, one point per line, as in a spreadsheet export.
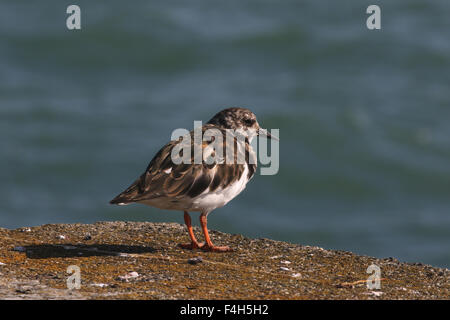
205	185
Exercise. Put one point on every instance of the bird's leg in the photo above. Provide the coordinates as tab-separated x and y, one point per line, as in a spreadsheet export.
208	245
194	244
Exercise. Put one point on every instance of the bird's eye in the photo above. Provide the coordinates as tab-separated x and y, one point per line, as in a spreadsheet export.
249	122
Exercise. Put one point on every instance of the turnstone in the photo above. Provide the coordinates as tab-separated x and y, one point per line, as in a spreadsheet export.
204	185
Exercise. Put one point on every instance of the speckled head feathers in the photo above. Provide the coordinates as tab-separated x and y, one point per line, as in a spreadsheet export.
235	118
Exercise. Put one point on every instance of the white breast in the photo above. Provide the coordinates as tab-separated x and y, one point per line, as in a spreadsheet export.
208	201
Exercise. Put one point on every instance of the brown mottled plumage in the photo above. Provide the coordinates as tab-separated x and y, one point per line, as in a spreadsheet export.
184	179
198	187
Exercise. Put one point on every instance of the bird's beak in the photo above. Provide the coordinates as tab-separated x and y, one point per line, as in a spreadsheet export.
266	133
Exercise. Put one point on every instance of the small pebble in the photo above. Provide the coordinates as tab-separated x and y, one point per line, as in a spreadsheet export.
2	264
296	275
195	260
101	285
61	237
285	262
376	293
87	237
284	268
23	291
128	276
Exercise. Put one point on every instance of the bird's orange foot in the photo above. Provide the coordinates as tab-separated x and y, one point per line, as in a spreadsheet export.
191	245
213	248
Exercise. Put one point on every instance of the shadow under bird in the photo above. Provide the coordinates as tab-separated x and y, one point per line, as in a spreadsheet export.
199	187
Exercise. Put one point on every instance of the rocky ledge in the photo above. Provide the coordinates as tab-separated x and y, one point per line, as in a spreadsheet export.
133	260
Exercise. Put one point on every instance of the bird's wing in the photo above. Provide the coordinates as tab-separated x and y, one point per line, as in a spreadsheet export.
164	178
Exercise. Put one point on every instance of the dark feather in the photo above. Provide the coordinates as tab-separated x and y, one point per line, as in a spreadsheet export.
201	183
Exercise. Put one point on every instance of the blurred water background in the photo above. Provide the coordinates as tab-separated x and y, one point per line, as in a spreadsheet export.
364	116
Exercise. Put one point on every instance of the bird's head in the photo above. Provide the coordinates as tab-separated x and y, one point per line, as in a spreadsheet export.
239	119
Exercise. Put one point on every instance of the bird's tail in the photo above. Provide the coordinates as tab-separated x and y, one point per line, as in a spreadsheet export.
128	196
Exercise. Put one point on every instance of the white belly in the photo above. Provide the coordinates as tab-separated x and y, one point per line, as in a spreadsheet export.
208	201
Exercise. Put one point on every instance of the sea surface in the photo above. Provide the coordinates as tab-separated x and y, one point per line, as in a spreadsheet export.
364	115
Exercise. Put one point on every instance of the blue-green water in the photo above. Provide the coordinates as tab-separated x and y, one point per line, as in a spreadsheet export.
363	115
